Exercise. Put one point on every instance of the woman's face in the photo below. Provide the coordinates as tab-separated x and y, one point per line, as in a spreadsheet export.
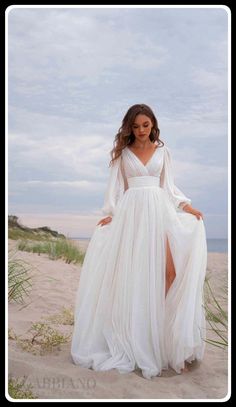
142	127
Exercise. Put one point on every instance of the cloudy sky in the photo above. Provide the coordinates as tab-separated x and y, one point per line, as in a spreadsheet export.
74	72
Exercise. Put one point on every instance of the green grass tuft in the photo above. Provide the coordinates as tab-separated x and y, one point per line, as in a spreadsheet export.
216	316
59	249
43	339
19	281
17	389
66	317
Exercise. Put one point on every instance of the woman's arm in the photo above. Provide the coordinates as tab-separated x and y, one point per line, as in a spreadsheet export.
114	190
168	184
175	194
188	208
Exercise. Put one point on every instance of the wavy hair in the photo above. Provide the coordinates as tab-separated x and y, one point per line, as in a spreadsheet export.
125	135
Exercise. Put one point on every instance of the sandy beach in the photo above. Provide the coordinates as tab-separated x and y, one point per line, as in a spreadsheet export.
53	374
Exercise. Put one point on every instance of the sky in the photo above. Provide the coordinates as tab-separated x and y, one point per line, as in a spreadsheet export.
72	75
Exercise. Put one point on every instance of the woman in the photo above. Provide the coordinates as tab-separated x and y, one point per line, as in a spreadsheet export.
140	297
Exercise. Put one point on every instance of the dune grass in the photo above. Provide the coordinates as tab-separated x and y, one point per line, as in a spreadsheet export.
18	231
18	389
16	234
11	334
65	317
19	280
58	249
41	339
216	316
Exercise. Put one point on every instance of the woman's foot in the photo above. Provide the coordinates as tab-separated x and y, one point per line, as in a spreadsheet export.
185	369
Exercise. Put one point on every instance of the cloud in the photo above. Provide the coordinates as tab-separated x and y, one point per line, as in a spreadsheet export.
73	74
72	44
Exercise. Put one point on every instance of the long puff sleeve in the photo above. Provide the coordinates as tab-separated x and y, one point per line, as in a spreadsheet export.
115	188
167	182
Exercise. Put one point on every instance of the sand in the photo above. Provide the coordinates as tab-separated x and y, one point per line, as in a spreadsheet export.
54	376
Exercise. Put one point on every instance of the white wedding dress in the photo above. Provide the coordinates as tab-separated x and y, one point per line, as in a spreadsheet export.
122	318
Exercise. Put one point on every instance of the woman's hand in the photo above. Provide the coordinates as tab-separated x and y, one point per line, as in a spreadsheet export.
105	221
188	208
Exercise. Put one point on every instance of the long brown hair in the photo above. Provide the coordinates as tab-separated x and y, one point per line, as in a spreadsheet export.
125	135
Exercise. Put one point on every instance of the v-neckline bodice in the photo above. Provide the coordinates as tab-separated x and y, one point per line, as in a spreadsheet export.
149	160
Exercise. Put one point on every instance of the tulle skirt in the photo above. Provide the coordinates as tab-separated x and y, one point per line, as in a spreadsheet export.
123	320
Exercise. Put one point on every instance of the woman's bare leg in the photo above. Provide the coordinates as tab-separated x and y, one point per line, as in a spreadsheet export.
170	268
170	276
185	369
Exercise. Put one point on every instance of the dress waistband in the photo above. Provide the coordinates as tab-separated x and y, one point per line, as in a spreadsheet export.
143	181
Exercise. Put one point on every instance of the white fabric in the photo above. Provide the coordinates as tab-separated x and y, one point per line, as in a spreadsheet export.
122	318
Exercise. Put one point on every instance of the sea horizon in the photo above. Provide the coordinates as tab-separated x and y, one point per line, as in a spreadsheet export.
215	245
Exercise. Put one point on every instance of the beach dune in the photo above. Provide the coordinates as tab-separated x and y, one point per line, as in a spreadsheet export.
53	375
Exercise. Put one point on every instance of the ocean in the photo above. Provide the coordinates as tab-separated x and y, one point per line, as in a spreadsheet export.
217	245
213	245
